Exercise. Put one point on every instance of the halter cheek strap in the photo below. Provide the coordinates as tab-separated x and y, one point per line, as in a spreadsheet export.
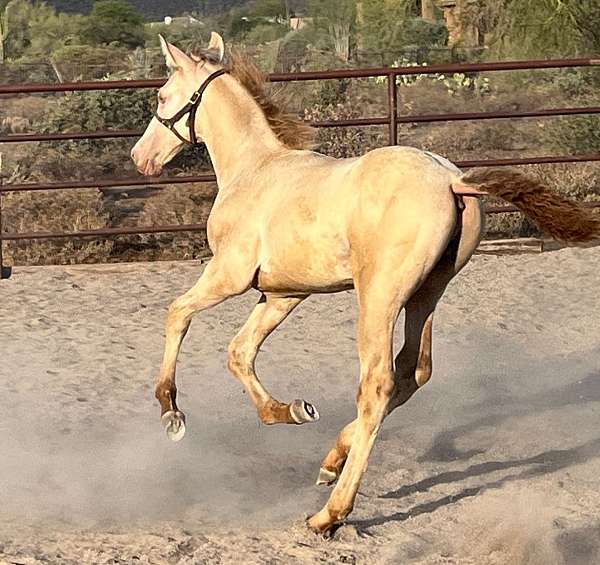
190	108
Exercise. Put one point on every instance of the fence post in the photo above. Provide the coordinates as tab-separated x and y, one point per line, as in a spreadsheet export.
5	272
393	108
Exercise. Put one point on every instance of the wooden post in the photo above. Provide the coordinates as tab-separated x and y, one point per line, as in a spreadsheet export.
428	10
5	272
393	108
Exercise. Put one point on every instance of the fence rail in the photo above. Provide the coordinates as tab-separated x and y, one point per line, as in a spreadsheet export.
392	119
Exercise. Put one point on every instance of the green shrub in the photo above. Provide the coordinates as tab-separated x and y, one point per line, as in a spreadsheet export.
265	33
421	33
343	141
93	111
574	134
87	62
332	92
184	36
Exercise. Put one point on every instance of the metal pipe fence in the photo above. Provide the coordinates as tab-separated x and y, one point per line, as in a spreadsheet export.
391	120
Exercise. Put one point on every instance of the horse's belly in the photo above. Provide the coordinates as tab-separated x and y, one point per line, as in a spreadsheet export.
306	267
281	282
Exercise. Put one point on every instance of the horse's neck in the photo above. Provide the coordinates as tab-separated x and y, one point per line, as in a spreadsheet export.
235	130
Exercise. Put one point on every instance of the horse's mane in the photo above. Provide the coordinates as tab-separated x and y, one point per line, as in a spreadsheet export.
291	130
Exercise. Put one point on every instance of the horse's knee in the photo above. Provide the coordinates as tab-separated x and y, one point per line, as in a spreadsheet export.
165	390
173	312
178	319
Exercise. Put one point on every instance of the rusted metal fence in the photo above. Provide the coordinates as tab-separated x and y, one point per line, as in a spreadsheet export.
392	119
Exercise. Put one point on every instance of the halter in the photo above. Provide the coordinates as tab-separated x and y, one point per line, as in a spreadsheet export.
190	108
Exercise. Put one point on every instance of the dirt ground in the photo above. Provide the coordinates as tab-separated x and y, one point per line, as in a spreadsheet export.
495	461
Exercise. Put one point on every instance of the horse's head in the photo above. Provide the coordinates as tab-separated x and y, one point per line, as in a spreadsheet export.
164	137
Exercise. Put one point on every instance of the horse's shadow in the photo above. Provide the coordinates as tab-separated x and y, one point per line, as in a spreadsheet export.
581	392
542	464
443	449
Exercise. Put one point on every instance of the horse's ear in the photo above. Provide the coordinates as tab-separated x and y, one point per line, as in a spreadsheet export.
217	46
174	56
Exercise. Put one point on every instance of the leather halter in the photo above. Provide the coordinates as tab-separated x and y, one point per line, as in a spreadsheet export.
190	108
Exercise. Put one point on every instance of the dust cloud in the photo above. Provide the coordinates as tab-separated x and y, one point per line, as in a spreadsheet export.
515	529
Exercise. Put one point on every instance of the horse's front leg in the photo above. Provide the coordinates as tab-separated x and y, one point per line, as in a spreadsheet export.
412	370
381	296
270	311
380	299
217	283
375	391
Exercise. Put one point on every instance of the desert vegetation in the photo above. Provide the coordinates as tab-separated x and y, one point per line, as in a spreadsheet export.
114	39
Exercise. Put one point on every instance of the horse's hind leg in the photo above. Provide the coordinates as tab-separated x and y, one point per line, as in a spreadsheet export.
413	366
270	311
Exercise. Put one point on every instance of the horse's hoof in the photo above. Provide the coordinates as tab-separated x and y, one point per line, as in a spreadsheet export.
303	412
174	424
326	477
322	527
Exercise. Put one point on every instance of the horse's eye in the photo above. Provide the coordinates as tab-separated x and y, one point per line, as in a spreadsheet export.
161	99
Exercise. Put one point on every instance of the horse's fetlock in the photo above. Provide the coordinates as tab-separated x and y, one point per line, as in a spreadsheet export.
339	513
165	392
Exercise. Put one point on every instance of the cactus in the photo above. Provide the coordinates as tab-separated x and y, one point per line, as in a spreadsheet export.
4	28
3	32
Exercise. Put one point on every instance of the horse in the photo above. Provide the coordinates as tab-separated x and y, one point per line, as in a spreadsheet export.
396	224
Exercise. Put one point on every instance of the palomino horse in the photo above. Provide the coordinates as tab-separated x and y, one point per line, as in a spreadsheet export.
396	224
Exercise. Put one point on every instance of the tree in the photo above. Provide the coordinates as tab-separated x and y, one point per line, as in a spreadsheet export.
338	18
34	29
3	32
271	8
428	11
113	21
534	28
386	26
49	30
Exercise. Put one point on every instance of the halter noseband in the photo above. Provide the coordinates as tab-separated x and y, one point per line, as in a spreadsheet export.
190	108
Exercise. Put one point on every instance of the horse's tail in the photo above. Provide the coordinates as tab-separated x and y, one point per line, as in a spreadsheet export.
560	217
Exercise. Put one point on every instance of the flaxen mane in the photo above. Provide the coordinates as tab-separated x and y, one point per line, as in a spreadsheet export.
291	130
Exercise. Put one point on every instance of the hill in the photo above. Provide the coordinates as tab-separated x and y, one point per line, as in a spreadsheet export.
153	9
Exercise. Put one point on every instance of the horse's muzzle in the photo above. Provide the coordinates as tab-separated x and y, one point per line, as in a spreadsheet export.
146	167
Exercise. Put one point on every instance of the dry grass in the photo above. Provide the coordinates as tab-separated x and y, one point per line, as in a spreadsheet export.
69	211
90	209
53	211
56	211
